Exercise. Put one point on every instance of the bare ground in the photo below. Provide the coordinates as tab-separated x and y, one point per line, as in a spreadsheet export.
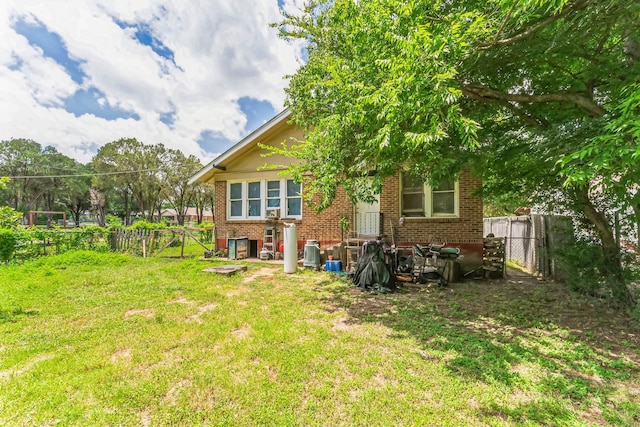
518	301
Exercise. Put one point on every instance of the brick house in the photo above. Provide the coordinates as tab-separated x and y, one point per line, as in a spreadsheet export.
407	212
190	215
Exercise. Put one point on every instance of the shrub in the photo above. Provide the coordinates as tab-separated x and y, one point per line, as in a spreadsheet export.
9	218
582	263
8	242
145	225
113	221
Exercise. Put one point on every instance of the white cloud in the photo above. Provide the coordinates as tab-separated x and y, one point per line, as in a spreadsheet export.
223	51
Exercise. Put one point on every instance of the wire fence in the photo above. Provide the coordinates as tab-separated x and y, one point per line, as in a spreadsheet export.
530	240
170	242
24	244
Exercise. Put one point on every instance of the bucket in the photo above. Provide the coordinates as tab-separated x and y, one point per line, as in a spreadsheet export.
334	265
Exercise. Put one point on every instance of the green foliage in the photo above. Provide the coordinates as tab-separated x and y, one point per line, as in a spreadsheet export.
8	242
176	173
539	98
24	244
9	217
582	265
145	225
112	221
207	232
43	190
131	171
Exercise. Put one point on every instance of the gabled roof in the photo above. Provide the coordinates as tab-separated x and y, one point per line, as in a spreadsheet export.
219	163
189	212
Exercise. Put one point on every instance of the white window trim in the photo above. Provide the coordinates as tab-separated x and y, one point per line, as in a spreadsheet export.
428	203
263	197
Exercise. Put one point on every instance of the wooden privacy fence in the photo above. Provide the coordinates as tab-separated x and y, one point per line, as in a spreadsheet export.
531	240
154	242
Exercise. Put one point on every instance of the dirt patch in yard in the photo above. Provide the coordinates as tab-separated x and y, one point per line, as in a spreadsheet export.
263	272
573	347
144	312
512	305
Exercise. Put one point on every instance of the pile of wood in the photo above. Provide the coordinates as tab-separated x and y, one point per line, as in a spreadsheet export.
493	257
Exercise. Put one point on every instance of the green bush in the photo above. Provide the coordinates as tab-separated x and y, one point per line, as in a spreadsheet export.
8	242
582	262
9	218
113	221
145	225
28	243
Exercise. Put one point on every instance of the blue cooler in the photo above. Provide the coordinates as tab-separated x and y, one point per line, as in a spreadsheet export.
333	265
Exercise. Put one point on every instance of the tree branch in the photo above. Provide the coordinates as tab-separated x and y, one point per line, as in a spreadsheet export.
577	99
534	28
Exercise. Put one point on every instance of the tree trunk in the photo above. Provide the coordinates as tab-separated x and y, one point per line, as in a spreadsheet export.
127	213
611	251
636	211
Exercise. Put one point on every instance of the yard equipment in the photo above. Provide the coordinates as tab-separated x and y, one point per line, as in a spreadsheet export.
373	270
427	264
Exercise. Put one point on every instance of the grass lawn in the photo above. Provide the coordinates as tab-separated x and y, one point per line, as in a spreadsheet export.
89	339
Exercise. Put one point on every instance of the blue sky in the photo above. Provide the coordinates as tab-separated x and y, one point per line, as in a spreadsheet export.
197	75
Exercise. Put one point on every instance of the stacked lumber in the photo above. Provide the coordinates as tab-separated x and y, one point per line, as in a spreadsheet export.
493	255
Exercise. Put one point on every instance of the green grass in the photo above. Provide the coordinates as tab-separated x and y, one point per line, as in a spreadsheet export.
91	339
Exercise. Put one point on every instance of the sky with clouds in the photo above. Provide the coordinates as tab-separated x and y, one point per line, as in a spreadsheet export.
196	75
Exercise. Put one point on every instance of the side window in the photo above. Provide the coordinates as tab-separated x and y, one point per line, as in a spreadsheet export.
293	199
444	199
422	201
412	196
235	199
254	199
273	194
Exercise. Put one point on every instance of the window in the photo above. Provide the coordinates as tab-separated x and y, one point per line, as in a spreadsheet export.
412	196
255	202
273	194
443	199
251	199
235	199
420	200
294	201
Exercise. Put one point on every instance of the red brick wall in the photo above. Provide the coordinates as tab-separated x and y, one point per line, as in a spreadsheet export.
464	232
324	227
467	228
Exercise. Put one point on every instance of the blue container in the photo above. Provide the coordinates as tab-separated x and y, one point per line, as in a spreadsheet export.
333	265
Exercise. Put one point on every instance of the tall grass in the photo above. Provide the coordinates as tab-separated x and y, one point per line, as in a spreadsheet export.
102	339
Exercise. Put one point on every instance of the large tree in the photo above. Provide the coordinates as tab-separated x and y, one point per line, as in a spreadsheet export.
434	86
76	197
175	175
131	169
21	159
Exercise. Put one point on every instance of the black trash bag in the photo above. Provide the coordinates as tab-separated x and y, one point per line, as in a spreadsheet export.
373	269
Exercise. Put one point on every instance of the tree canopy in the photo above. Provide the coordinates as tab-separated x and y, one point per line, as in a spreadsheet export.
123	175
540	98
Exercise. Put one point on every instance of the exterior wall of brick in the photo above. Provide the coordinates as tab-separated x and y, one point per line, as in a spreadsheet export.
466	228
465	231
324	227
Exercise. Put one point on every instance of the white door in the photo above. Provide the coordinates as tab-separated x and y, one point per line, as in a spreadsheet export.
368	218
